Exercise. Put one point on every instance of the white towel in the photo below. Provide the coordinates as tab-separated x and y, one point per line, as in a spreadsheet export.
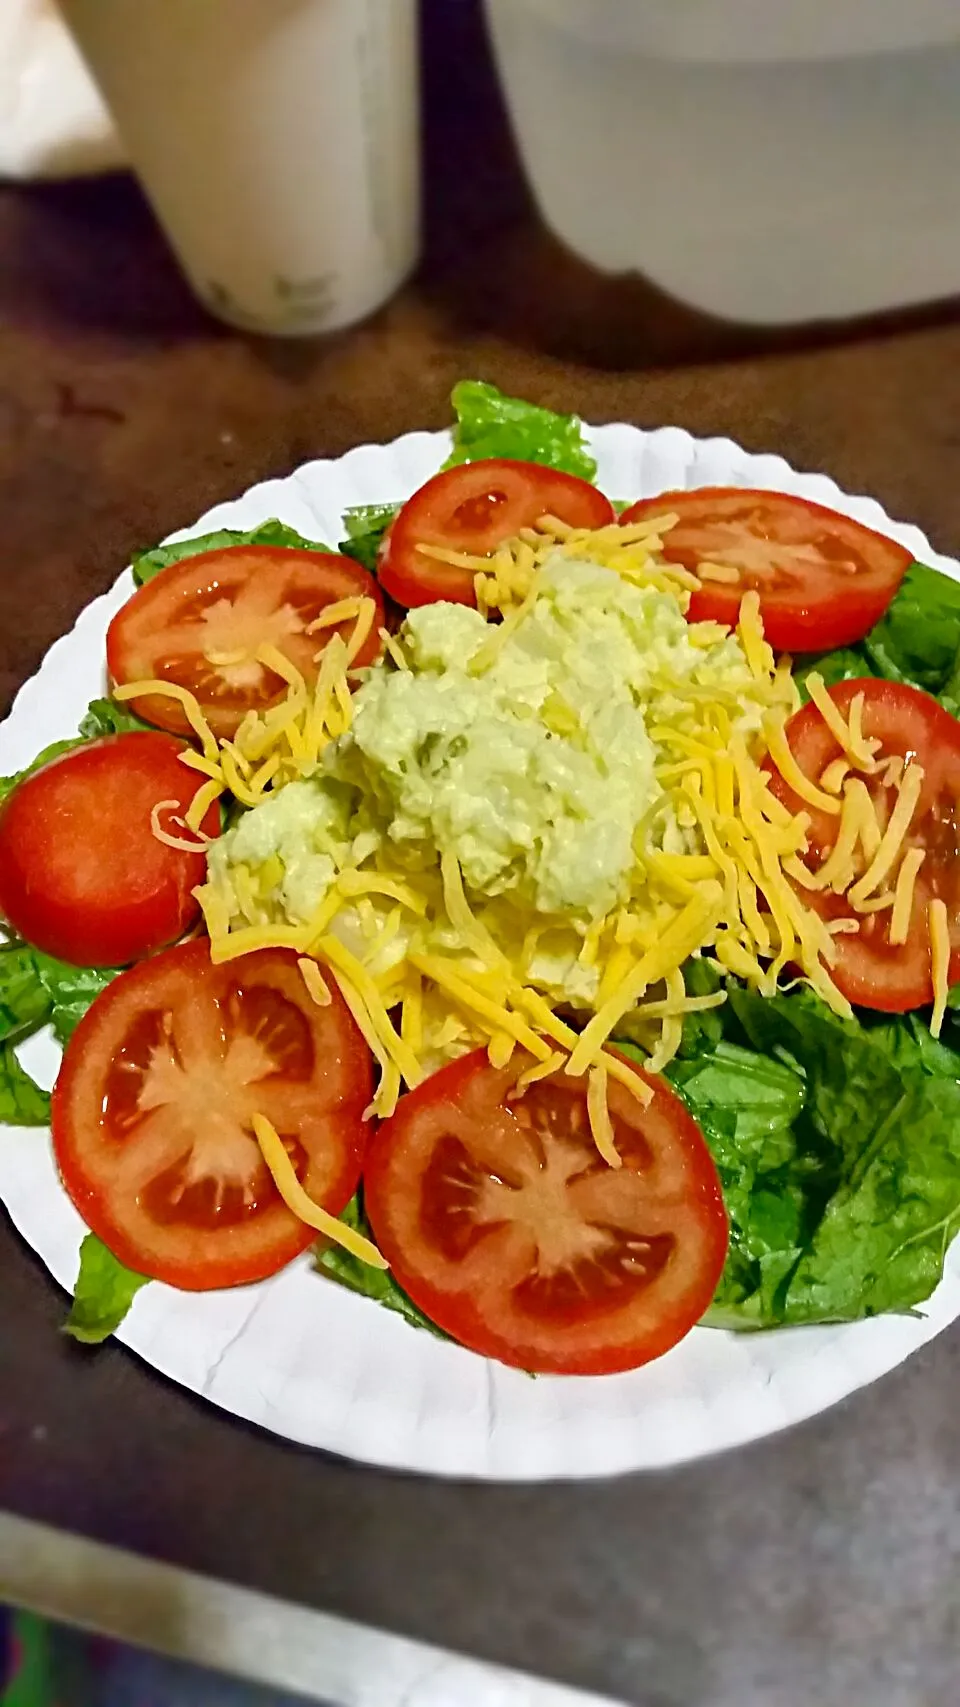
53	123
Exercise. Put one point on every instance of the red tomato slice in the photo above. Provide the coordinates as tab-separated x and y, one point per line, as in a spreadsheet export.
152	1113
473	509
504	1225
82	875
199	624
823	579
869	969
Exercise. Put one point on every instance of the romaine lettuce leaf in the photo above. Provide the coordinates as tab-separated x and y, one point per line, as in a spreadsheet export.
103	1293
22	1102
916	641
36	988
865	1176
492	424
70	990
149	563
24	1001
366	526
109	717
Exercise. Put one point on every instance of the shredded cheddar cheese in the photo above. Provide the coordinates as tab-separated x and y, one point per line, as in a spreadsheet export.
202	801
187	700
849	736
939	926
598	1112
297	1200
197	845
432	967
317	989
908	795
903	895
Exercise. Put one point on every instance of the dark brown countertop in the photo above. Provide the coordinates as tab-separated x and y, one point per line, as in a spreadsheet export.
817	1568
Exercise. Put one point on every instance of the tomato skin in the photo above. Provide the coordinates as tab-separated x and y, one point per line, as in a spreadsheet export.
473	509
870	971
832	578
82	875
199	622
119	1160
422	1197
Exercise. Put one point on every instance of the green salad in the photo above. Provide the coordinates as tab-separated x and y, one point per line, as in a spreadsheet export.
824	1081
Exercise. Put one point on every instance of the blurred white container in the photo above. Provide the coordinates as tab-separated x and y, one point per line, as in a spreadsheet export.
766	161
53	123
278	141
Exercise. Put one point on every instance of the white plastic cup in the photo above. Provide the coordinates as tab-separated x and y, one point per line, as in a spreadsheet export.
767	162
278	142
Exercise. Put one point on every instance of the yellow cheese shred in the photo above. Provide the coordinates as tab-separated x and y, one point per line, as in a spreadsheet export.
459	914
201	803
750	634
165	836
361	629
342	610
834	775
394	650
317	989
198	762
188	701
836	872
281	666
598	1112
494	1016
533	1074
671	1034
939	925
854	746
235	781
782	755
890	842
331	949
500	1049
388	1092
251	938
678	942
296	1199
903	895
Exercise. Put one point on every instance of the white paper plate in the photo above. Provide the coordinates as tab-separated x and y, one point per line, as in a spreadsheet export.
318	1365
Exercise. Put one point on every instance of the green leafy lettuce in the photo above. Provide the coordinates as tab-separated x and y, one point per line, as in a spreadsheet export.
916	641
22	1102
492	424
838	1148
103	1293
357	1276
147	564
366	526
487	424
108	717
